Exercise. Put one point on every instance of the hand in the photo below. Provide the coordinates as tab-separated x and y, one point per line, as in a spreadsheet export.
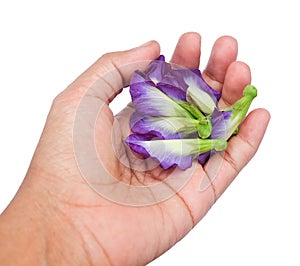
57	218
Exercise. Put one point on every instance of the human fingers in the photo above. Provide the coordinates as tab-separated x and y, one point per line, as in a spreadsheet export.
187	51
223	53
241	148
237	77
113	71
82	108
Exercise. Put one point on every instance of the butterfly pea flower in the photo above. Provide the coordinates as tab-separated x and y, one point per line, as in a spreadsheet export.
158	114
160	95
177	118
216	95
226	123
219	121
150	100
199	92
170	127
163	127
173	152
175	81
163	76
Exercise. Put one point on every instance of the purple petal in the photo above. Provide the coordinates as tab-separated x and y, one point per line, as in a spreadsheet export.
156	70
173	85
196	71
172	91
132	141
138	77
203	158
163	127
227	114
153	126
194	77
168	153
180	161
161	58
219	120
149	100
174	152
204	86
176	79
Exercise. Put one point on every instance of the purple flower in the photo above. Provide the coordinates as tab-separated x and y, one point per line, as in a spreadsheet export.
161	91
150	100
166	127
219	121
161	75
174	81
225	123
176	116
173	152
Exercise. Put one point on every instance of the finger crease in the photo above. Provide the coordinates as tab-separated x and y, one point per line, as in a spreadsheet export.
187	208
213	188
228	158
119	72
101	247
213	79
246	142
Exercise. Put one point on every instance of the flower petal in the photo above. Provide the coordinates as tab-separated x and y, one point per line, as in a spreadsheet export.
216	95
199	92
173	85
201	99
132	141
161	58
176	152
203	157
219	121
164	127
194	76
174	103
157	69
173	92
149	100
138	77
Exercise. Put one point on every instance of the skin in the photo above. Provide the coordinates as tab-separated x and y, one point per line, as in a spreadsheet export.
57	219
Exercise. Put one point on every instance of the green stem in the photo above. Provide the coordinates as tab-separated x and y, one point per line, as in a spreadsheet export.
239	109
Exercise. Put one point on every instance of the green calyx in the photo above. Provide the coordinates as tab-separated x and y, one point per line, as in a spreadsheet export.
239	109
250	91
202	123
204	128
210	144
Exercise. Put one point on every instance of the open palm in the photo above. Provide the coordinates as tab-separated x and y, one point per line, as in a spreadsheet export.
89	228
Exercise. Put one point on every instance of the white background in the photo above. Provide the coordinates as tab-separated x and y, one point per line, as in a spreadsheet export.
45	45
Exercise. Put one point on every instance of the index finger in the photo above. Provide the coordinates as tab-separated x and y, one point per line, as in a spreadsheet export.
223	53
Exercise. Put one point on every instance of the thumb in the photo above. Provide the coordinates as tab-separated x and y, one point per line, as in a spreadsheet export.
112	71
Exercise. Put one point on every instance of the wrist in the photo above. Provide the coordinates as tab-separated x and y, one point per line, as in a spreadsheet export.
36	229
31	232
21	235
